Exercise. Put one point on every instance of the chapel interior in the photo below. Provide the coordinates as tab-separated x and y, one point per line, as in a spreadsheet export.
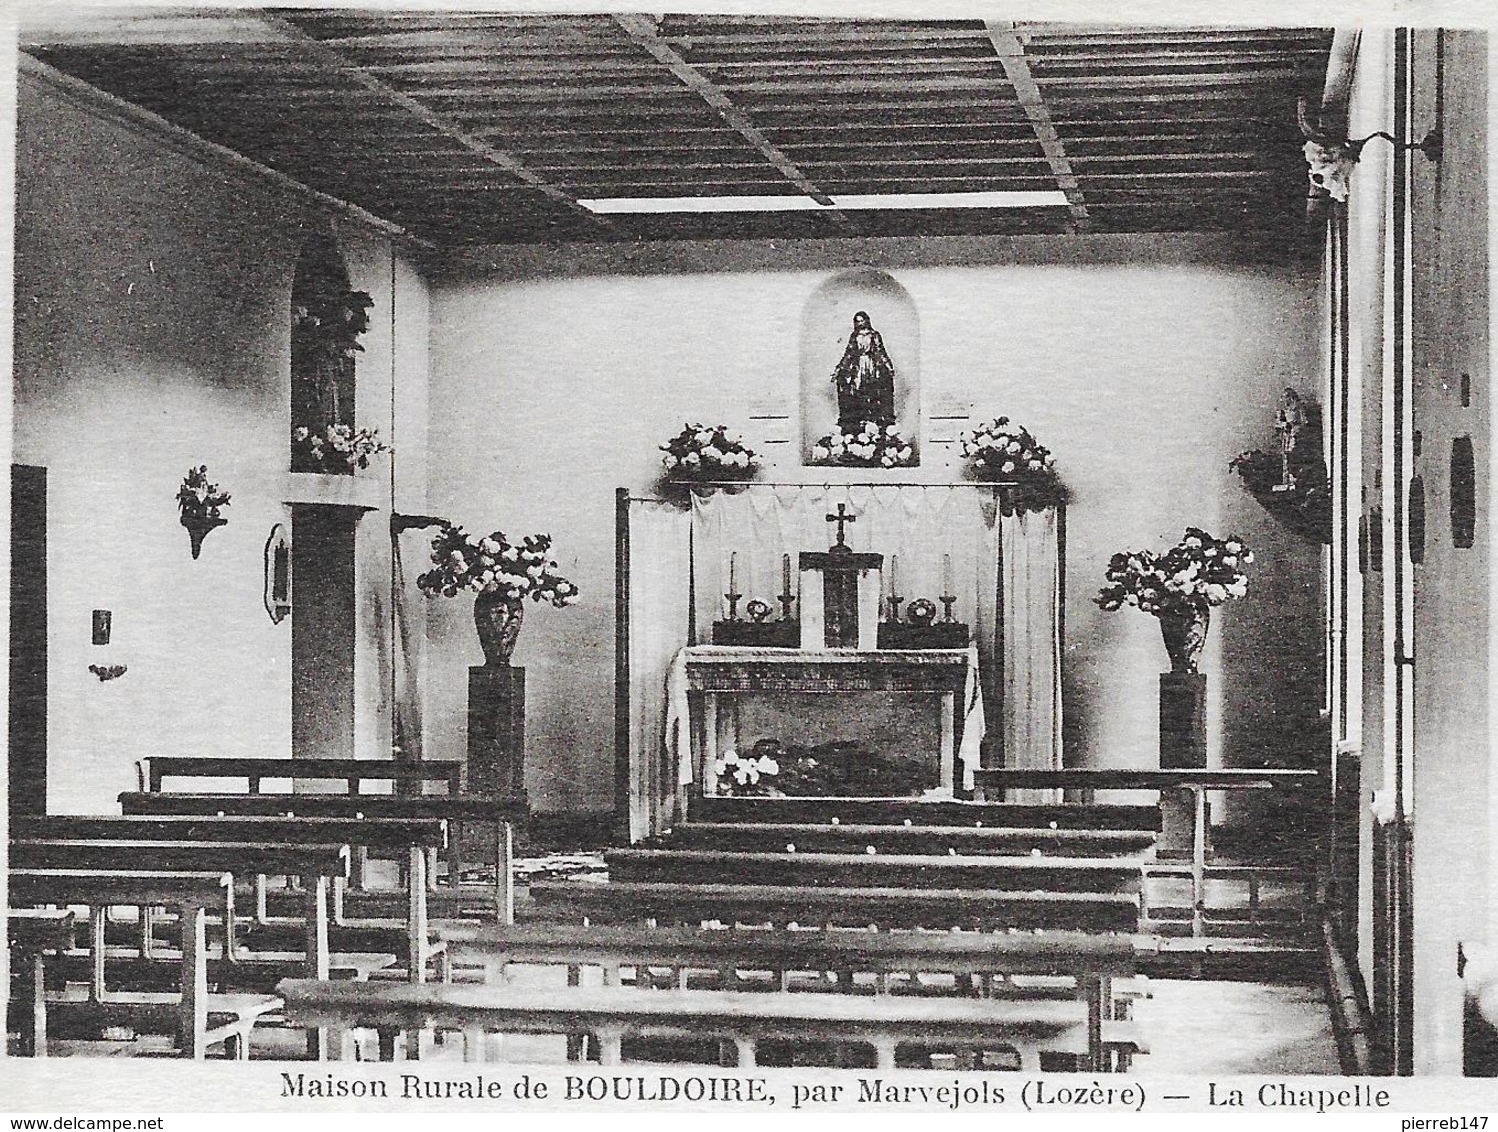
751	540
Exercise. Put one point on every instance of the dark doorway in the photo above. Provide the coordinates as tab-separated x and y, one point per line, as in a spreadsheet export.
28	640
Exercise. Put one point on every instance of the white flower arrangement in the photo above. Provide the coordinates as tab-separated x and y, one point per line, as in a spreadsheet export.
1197	573
1002	450
873	446
494	565
699	452
339	449
740	774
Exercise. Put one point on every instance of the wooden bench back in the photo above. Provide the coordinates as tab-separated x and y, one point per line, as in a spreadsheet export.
1046	953
353	772
369	833
460	808
246	859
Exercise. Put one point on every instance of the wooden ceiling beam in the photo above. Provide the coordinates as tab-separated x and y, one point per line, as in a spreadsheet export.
439	122
642	30
1011	55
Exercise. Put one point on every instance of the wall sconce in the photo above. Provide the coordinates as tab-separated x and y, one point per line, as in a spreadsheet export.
278	574
1331	158
107	671
199	502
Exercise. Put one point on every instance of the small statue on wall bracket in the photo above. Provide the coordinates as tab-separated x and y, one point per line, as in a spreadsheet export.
865	379
199	502
1292	483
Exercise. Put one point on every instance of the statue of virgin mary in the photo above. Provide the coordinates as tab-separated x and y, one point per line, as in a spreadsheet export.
865	379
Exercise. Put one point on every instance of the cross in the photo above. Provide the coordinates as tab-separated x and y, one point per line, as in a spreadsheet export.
842	517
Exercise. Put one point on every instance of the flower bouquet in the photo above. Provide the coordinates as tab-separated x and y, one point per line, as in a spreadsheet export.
1179	587
198	502
339	449
1001	450
702	453
503	574
873	446
744	776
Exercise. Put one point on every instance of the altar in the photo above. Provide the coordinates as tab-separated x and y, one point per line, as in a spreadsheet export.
899	636
709	683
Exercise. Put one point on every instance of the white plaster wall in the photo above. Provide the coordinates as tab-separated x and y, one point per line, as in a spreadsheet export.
152	334
1145	363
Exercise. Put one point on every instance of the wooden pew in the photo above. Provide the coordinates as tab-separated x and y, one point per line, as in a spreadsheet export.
875	870
317	865
885	811
810	906
353	773
1182	802
914	839
33	934
190	895
1086	964
501	813
614	1013
412	838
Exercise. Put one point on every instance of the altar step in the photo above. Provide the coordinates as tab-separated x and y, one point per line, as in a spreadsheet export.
814	906
938	840
875	870
945	812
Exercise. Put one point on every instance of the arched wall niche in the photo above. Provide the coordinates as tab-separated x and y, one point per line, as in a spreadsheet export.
827	322
323	376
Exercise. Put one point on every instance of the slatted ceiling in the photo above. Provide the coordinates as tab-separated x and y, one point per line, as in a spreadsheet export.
485	127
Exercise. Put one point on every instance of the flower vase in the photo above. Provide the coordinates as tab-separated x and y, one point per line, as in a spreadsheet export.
498	622
1185	636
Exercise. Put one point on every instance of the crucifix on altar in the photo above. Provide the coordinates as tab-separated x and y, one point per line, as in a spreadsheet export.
840	593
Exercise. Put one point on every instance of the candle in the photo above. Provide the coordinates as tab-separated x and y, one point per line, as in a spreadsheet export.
785	574
733	572
946	574
894	573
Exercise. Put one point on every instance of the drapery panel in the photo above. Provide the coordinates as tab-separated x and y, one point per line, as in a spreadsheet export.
659	611
1030	689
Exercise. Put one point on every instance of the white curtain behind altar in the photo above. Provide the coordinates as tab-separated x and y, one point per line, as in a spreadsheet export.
1031	686
929	535
659	612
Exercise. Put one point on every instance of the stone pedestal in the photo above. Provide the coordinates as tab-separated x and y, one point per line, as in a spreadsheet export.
1183	746
1183	721
496	731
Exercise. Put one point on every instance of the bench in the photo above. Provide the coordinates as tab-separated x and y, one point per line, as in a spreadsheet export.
32	935
810	906
413	838
1028	1027
1073	964
1184	820
315	864
190	895
917	839
501	813
886	811
354	773
875	870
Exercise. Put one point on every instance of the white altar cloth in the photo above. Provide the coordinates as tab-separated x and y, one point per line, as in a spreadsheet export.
678	731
